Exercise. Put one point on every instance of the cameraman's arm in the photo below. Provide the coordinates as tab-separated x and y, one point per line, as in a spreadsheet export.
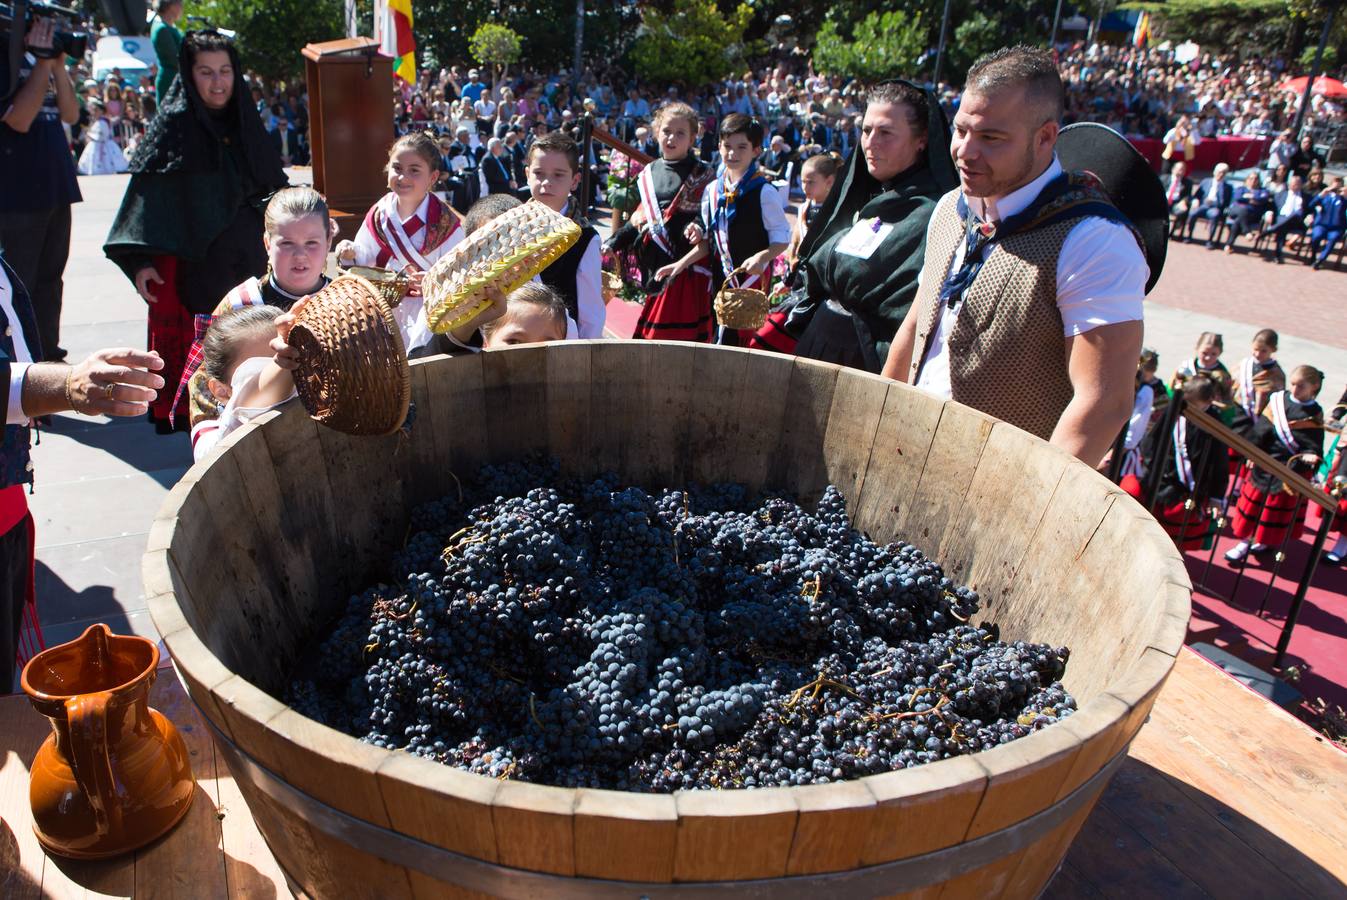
28	101
65	94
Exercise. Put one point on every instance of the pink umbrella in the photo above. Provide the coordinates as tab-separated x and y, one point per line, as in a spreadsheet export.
1324	86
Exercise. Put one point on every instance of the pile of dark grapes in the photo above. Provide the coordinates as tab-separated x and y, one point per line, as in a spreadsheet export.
593	634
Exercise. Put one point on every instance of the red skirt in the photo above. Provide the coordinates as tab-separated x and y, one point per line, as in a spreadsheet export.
1281	513
772	335
680	312
1190	528
172	329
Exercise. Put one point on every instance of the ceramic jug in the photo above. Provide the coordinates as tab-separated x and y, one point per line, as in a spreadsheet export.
114	774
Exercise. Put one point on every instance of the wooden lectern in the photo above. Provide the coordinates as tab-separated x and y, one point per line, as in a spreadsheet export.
350	125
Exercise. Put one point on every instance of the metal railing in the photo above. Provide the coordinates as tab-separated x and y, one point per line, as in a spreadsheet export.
1304	491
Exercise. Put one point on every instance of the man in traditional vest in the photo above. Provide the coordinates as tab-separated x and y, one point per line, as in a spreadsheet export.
1029	305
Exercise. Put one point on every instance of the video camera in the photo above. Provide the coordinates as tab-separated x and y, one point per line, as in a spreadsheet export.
66	40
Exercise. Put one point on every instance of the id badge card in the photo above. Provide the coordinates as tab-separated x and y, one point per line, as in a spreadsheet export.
864	238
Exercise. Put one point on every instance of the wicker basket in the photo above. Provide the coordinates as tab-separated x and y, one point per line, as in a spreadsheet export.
352	374
503	254
393	286
612	287
742	308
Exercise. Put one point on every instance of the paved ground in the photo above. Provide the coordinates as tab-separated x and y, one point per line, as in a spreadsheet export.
100	482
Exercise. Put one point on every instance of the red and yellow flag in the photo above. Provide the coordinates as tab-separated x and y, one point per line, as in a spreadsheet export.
393	31
1141	35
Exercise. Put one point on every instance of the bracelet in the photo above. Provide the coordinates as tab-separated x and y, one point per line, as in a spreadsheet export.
69	398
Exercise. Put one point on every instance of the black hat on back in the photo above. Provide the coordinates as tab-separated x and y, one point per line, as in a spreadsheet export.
1128	179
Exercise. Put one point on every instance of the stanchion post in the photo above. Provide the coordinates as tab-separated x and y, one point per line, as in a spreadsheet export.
1294	613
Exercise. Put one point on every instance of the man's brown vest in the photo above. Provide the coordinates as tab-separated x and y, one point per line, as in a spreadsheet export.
1007	354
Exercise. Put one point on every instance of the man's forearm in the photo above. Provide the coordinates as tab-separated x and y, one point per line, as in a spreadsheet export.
1088	427
44	389
899	360
65	95
28	101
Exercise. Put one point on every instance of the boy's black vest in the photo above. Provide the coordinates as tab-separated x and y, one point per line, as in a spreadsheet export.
560	276
748	233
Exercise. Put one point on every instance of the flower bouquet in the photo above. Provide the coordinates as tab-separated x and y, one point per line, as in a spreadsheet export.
622	193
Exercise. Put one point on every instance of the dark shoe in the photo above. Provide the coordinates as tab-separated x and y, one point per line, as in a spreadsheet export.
57	355
1317	265
1209	245
1280	261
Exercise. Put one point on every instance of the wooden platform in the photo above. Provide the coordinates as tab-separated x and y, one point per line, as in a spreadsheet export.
1224	795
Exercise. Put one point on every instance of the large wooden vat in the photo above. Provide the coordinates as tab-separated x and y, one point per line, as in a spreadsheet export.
261	545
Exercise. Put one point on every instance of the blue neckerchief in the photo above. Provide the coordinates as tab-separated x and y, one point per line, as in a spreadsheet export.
1068	196
728	199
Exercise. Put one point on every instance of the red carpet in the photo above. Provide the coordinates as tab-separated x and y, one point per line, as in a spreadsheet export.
1318	645
621	320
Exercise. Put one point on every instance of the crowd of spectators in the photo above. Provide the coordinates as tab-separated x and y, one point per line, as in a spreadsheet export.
1144	93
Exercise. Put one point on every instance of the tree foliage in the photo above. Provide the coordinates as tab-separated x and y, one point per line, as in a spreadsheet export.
271	33
882	45
546	29
1249	27
496	45
694	43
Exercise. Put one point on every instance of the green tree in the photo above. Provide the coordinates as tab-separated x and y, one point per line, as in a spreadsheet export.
546	29
496	46
882	45
271	33
693	44
1254	27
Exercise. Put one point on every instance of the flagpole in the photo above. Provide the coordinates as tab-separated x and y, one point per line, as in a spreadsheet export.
1315	71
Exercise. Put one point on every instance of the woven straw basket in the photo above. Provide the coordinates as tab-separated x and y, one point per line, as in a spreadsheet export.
612	287
502	254
393	286
742	308
352	374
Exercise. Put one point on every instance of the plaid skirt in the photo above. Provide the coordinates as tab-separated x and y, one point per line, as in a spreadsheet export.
172	330
680	312
1281	513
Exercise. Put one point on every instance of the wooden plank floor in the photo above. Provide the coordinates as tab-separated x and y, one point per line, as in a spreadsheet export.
1224	795
215	852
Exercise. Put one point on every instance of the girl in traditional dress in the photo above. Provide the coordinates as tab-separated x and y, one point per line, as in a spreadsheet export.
1291	431
677	308
817	176
1260	376
241	374
408	229
298	234
1195	472
743	223
1142	405
1150	365
112	99
1207	361
190	225
101	154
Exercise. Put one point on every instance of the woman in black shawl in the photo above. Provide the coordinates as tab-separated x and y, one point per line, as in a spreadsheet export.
190	225
861	257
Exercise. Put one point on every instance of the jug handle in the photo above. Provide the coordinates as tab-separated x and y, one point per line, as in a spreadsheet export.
88	717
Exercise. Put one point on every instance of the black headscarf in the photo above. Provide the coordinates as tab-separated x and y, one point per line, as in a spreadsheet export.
186	138
858	187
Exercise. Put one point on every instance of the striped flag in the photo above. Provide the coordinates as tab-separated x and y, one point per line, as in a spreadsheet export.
393	31
1141	36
